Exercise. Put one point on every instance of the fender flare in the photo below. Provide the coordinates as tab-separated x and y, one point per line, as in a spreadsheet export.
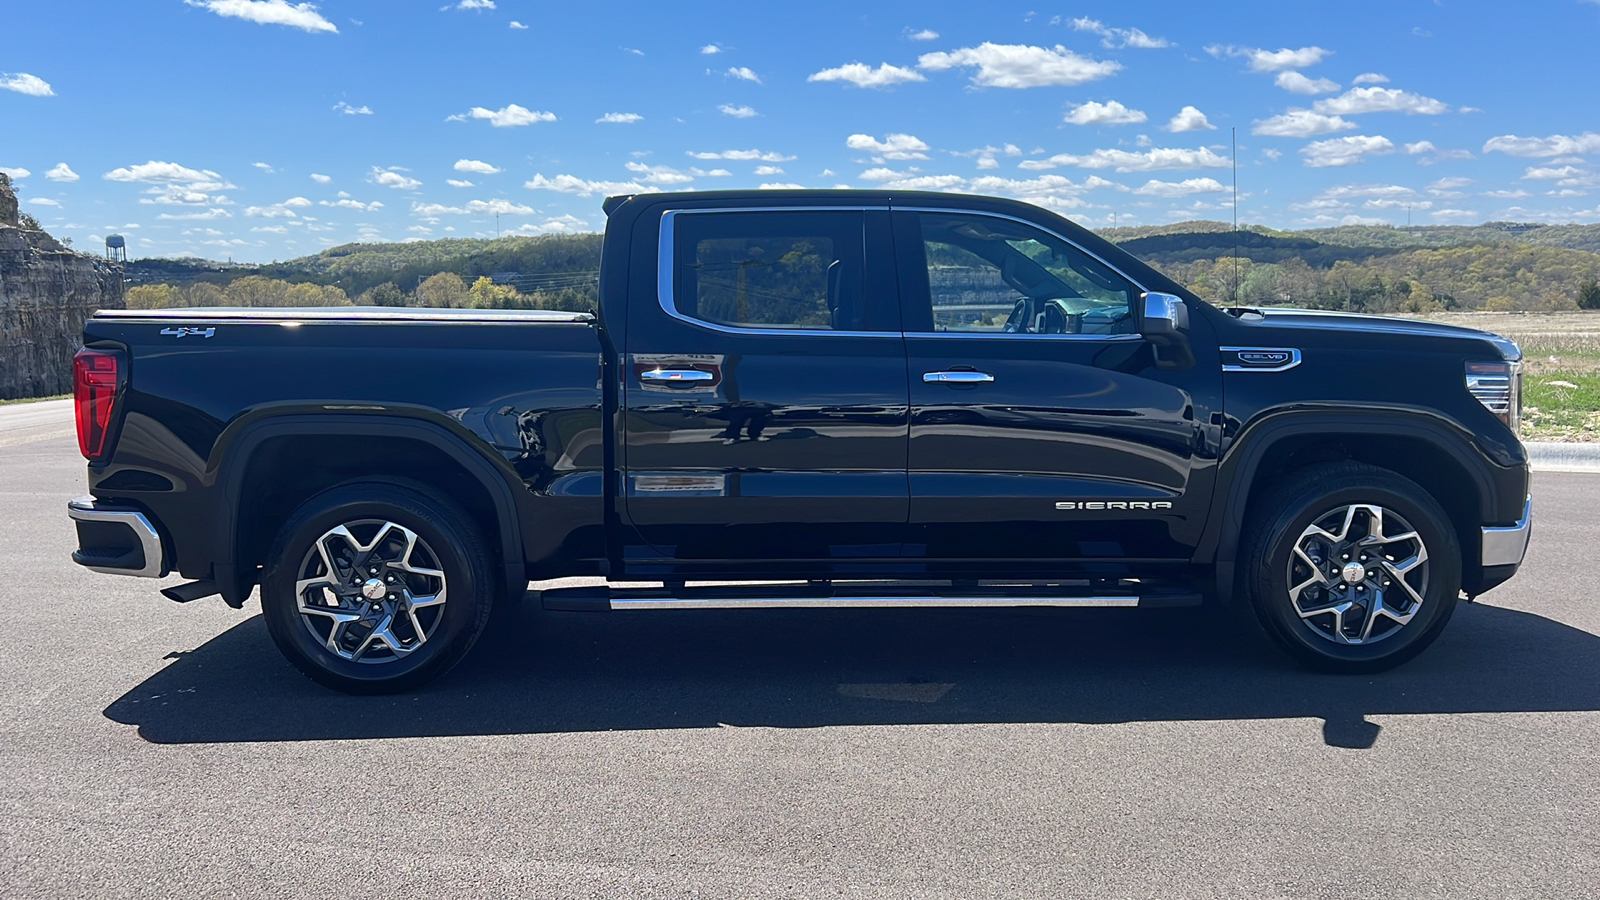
1236	475
237	450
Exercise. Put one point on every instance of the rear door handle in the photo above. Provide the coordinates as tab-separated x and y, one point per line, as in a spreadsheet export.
960	376
675	376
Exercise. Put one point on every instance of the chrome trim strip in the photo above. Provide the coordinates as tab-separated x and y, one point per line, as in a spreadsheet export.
820	602
1506	546
85	509
1294	359
349	313
957	377
1028	335
665	273
675	375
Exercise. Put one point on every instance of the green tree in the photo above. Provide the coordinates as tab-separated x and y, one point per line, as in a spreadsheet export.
1589	294
154	296
386	294
445	290
485	294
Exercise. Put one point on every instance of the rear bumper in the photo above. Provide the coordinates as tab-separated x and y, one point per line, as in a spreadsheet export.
1507	545
116	540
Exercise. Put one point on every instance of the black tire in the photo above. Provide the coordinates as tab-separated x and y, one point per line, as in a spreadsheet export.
1278	522
448	543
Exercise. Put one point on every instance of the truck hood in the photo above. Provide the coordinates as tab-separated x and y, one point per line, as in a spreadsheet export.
1359	323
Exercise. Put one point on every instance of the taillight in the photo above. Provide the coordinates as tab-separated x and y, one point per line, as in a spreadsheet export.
95	377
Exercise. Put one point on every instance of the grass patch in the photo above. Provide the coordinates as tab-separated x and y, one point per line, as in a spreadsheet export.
34	399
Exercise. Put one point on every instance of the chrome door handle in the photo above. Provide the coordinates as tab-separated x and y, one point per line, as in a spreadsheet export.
960	376
674	376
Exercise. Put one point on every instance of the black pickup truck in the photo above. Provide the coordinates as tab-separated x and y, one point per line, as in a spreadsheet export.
807	399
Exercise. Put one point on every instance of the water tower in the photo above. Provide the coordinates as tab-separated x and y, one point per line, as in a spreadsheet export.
116	249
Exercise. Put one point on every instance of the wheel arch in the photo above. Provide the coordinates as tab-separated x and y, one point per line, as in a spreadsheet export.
273	464
1434	453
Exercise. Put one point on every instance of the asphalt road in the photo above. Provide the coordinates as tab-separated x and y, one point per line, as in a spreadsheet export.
157	750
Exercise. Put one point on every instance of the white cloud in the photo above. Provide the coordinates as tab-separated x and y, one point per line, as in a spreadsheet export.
16	172
1020	65
633	50
883	173
264	167
1345	151
746	155
1186	188
1299	123
1296	83
393	177
617	118
563	224
1506	195
1454	215
1189	119
42	201
988	162
660	174
320	178
1370	78
303	16
1535	173
458	183
61	172
570	184
738	112
926	34
893	146
714	173
780	186
154	172
347	109
1420	147
1554	145
1356	101
1112	113
865	76
473	4
1154	159
496	207
926	183
23	83
1116	38
507	117
769	171
1272	60
518	26
476	167
206	216
743	73
347	203
284	210
710	49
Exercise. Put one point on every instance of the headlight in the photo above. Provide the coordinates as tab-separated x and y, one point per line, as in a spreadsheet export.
1498	386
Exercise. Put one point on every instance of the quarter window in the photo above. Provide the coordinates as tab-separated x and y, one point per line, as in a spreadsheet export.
991	275
795	269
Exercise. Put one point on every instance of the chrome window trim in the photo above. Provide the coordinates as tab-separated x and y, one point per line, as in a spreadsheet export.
666	270
87	509
1294	359
1053	233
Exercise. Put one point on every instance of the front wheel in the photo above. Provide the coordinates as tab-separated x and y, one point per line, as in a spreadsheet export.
374	588
1352	568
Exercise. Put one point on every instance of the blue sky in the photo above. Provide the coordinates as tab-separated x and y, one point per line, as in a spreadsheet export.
264	129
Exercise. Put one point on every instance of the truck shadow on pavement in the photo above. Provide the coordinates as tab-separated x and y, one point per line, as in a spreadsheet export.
579	672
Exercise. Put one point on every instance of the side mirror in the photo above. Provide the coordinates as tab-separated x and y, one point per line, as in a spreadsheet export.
1163	324
1164	315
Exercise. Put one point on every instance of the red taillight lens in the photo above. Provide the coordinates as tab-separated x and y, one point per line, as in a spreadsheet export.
94	388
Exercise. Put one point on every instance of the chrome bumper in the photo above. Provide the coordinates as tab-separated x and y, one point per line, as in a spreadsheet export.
148	563
1505	546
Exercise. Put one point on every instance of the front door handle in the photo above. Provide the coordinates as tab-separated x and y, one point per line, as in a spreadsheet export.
960	376
675	376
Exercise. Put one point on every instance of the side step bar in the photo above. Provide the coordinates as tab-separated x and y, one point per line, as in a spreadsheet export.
855	596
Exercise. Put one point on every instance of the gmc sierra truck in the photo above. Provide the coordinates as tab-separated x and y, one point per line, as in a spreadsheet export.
807	399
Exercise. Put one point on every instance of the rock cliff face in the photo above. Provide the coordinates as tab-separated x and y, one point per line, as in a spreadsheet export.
46	293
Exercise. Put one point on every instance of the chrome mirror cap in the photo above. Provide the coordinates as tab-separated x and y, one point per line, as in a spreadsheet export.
1164	314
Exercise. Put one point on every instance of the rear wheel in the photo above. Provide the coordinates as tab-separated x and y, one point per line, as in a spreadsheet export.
1352	568
373	588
